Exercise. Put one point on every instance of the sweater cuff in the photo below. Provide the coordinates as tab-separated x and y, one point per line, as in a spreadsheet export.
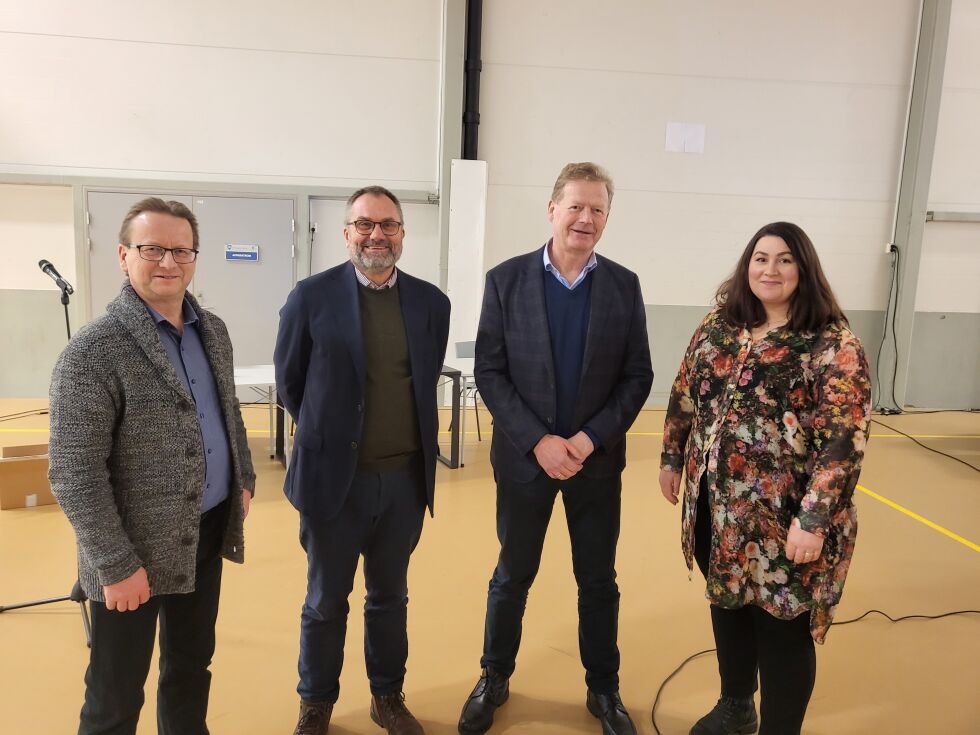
118	571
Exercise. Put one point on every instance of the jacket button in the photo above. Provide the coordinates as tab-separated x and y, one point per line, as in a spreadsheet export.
359	407
191	452
187	540
180	578
353	445
550	420
193	496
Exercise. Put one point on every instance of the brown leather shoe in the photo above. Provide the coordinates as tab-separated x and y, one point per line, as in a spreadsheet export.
314	718
389	711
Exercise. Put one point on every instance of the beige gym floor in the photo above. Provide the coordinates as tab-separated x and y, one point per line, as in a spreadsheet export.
918	676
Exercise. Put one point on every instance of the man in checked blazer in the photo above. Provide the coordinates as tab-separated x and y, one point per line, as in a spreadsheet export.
563	364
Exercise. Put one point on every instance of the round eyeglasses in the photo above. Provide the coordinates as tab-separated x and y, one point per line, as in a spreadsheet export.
156	253
389	227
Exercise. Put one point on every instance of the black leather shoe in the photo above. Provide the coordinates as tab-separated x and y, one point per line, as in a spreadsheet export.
314	718
609	709
731	716
489	693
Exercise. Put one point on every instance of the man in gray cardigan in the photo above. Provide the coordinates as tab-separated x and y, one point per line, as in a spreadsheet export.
150	463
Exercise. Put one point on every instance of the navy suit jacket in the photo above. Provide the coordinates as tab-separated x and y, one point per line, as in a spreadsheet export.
320	377
515	371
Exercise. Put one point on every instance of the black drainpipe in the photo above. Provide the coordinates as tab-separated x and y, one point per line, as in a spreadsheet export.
471	89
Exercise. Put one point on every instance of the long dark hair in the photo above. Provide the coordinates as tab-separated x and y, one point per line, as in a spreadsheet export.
812	307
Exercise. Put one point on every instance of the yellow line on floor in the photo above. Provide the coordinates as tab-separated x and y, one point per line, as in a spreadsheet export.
915	516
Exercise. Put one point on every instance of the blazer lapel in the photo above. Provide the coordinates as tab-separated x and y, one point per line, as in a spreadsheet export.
599	309
416	320
535	310
347	310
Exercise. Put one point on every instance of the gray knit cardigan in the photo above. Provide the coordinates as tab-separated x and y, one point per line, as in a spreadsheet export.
126	455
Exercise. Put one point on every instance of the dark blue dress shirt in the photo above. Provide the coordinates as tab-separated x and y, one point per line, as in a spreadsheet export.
187	355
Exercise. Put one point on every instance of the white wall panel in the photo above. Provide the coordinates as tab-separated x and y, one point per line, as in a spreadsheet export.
36	222
384	28
804	109
166	97
955	182
762	138
949	273
837	41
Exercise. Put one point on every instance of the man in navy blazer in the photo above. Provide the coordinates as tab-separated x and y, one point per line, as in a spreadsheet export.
358	356
563	364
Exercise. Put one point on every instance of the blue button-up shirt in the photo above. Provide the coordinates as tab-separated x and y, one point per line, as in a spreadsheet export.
549	266
191	364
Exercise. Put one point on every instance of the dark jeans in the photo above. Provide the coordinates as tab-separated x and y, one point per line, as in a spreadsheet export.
381	519
122	646
754	645
592	509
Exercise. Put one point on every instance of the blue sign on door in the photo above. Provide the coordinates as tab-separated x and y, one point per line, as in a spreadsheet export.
241	252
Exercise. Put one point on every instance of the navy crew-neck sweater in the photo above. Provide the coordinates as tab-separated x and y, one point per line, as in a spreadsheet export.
568	322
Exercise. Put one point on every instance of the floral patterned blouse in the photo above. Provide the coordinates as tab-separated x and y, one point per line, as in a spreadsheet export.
779	425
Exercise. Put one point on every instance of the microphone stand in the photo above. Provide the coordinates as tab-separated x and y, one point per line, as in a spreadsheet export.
64	302
77	594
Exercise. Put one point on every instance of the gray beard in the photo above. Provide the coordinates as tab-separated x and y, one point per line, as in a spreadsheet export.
374	263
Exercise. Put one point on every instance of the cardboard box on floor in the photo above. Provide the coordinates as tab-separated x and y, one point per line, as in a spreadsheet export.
24	477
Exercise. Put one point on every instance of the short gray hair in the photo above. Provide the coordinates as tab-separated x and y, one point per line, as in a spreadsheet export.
376	191
584	171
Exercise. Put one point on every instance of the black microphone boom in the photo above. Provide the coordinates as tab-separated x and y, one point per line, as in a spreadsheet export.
53	274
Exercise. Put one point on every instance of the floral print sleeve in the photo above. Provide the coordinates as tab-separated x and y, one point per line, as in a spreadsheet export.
776	428
839	429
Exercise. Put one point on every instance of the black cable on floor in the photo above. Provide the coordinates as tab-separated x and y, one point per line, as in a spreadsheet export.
884	334
898	292
909	436
913	412
685	662
675	672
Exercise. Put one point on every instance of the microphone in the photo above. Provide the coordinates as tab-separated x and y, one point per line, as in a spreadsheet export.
53	274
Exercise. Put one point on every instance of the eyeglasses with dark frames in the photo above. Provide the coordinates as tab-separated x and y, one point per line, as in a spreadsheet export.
156	253
389	227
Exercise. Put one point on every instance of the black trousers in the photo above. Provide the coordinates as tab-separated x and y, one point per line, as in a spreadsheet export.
592	510
753	645
381	519
122	646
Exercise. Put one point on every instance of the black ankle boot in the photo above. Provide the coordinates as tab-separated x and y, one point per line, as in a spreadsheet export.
731	716
490	692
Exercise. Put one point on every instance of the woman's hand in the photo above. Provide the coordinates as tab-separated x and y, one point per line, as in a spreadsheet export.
802	546
670	485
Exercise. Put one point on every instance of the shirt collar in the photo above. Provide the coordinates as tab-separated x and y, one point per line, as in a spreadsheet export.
549	266
365	281
188	314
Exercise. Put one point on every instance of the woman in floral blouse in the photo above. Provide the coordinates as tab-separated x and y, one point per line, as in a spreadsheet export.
768	419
